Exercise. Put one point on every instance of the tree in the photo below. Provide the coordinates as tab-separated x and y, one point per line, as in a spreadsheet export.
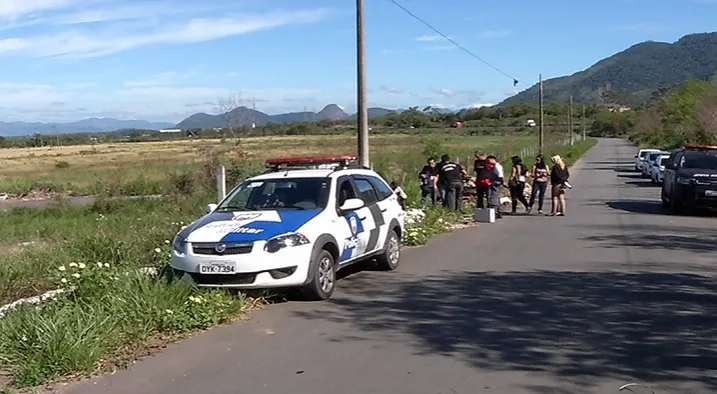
707	115
231	110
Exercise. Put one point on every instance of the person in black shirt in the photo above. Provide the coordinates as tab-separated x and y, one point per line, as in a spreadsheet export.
483	179
452	176
559	181
428	182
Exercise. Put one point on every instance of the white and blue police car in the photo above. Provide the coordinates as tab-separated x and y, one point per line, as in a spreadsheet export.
294	226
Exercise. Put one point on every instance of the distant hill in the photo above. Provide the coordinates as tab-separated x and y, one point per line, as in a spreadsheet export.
243	116
634	73
91	125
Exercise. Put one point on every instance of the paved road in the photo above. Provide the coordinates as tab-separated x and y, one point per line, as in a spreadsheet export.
615	292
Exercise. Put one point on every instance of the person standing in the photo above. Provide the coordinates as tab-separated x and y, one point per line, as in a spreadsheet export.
440	181
452	175
483	179
516	184
428	181
559	181
496	186
540	173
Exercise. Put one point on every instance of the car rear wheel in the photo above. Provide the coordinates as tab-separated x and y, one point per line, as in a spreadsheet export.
322	274
391	255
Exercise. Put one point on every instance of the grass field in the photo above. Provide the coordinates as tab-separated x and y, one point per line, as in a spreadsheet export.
96	250
143	168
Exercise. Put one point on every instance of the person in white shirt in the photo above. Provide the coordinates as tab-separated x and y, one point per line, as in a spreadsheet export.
496	189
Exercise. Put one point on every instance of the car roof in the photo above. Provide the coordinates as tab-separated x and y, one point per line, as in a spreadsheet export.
312	173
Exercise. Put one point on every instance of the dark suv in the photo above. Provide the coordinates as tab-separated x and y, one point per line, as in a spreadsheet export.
690	178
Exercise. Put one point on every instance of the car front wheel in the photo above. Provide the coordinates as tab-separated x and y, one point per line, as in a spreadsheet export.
391	255
322	277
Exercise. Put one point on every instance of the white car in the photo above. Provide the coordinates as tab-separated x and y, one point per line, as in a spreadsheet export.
294	226
658	168
650	162
641	156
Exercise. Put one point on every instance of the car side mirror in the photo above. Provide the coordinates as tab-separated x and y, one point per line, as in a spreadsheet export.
211	208
635	156
352	204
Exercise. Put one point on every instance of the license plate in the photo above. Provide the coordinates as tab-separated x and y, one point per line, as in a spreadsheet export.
711	193
223	268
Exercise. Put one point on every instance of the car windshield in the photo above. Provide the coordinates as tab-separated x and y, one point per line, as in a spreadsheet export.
703	162
278	194
654	156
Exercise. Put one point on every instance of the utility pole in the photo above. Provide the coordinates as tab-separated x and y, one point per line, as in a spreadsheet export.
362	114
583	123
570	122
542	131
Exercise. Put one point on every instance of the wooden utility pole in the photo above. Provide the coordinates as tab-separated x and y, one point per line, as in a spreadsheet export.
361	81
570	121
541	143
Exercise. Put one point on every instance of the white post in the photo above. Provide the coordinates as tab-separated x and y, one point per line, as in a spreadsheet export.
221	184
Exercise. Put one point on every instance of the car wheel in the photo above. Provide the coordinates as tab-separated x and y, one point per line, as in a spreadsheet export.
322	273
676	206
665	203
391	255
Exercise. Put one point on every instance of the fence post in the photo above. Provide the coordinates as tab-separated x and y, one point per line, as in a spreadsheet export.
221	184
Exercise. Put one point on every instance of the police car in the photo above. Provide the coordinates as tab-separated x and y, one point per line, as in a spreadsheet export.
295	225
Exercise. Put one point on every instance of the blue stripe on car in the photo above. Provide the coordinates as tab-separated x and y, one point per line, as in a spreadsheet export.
291	221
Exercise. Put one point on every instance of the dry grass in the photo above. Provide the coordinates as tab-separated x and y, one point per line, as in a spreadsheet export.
144	166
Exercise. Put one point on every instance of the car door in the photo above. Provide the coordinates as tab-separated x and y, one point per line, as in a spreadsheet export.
353	227
385	209
371	215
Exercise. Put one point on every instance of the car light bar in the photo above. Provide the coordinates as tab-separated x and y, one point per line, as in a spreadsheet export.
700	147
338	161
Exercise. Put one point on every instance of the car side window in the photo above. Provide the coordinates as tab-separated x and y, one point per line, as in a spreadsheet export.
345	191
365	191
383	190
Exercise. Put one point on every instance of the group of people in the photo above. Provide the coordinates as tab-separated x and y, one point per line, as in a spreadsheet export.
444	181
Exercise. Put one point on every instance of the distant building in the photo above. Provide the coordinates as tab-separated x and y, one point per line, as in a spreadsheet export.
170	131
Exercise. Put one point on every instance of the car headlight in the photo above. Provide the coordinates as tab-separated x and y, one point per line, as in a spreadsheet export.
179	245
284	241
685	181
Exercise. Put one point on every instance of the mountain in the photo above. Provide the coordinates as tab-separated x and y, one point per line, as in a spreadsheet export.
91	125
634	74
243	116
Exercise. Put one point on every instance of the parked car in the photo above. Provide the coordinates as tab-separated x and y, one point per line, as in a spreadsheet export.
294	226
656	174
690	178
650	162
641	156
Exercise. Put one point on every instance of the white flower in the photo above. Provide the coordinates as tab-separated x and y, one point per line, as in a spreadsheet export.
73	264
169	311
99	264
75	275
81	265
107	265
157	250
166	241
24	338
61	268
63	280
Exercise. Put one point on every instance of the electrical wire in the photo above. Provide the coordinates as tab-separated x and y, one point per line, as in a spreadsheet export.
461	47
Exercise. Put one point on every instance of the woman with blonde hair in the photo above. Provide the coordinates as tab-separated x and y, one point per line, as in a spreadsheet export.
559	181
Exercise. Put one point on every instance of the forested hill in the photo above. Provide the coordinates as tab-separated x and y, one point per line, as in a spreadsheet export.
631	76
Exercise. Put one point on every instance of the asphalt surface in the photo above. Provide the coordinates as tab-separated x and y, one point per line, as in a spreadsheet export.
615	292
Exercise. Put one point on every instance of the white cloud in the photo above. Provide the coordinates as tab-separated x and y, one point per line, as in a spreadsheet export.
161	79
441	48
495	33
479	105
13	9
83	44
431	38
446	92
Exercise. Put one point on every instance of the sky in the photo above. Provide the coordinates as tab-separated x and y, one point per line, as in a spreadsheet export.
162	60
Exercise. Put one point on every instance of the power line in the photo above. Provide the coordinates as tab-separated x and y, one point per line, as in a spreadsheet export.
464	49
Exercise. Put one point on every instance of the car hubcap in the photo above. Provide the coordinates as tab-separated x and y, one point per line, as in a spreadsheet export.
326	275
394	251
